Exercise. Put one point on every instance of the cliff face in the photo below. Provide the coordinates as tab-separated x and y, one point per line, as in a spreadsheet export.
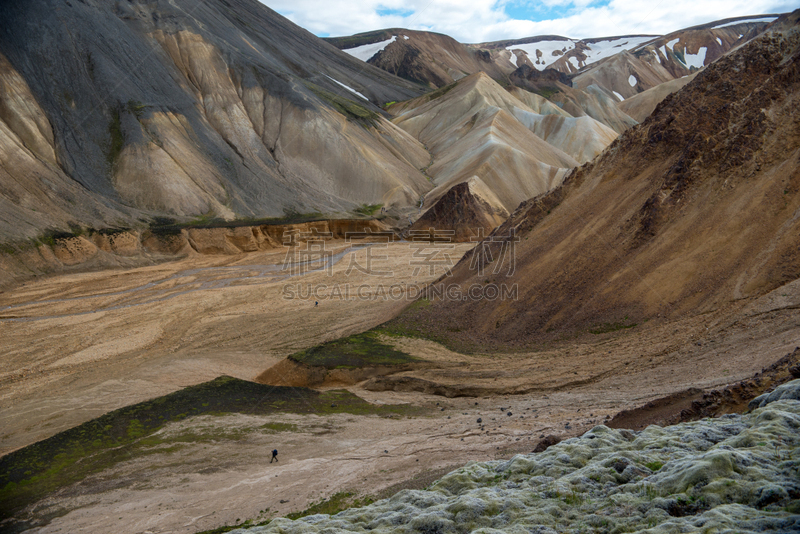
696	207
120	111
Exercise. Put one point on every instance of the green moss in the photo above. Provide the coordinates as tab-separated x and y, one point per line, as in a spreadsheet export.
441	91
169	226
654	466
136	108
350	109
606	328
29	474
353	352
333	505
279	427
547	92
367	209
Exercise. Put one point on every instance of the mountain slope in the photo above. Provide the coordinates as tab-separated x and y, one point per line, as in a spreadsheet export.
425	57
189	108
695	208
476	128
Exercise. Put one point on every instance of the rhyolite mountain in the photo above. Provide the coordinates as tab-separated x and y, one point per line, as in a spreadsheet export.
112	113
692	210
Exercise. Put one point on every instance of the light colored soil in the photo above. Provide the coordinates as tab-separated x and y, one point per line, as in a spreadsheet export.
96	354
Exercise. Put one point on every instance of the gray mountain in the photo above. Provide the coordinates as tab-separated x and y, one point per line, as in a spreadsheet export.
112	112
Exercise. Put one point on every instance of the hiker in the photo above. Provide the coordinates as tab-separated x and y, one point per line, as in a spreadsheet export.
274	455
316	303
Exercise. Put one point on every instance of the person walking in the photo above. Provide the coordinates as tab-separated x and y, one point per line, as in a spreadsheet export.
274	455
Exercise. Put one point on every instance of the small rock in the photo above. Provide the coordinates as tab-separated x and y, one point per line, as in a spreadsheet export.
283	502
480	420
333	406
509	414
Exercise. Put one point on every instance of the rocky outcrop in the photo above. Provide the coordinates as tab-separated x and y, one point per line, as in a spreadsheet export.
105	249
468	211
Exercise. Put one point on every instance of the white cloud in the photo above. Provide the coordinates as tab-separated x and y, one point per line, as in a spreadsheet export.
485	20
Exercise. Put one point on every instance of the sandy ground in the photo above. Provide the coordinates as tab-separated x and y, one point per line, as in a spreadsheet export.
82	345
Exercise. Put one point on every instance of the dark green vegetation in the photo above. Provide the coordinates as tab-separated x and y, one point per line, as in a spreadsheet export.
29	474
368	210
440	92
169	226
331	506
348	108
547	92
606	328
360	350
136	108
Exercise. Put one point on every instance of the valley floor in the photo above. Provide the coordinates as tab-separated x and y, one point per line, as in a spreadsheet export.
78	346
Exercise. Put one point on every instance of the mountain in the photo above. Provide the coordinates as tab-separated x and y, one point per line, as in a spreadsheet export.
586	77
475	128
428	58
690	211
118	112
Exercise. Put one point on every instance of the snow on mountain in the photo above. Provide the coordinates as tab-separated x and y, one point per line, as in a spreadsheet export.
365	52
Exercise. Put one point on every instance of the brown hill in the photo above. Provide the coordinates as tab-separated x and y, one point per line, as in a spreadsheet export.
428	58
695	208
469	210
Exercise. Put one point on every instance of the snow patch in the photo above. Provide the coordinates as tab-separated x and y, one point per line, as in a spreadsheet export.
366	52
546	48
658	58
746	21
513	59
348	88
632	80
575	63
719	41
406	37
695	60
664	52
603	49
594	52
671	44
621	98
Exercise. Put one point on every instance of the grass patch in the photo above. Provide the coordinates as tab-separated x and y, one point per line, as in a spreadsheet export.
368	210
136	108
441	91
168	226
279	427
353	352
654	466
29	474
350	109
333	505
336	503
547	92
606	328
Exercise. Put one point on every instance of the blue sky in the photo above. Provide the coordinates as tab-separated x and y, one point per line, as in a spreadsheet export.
473	21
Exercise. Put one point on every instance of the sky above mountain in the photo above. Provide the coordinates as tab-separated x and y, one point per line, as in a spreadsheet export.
473	21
